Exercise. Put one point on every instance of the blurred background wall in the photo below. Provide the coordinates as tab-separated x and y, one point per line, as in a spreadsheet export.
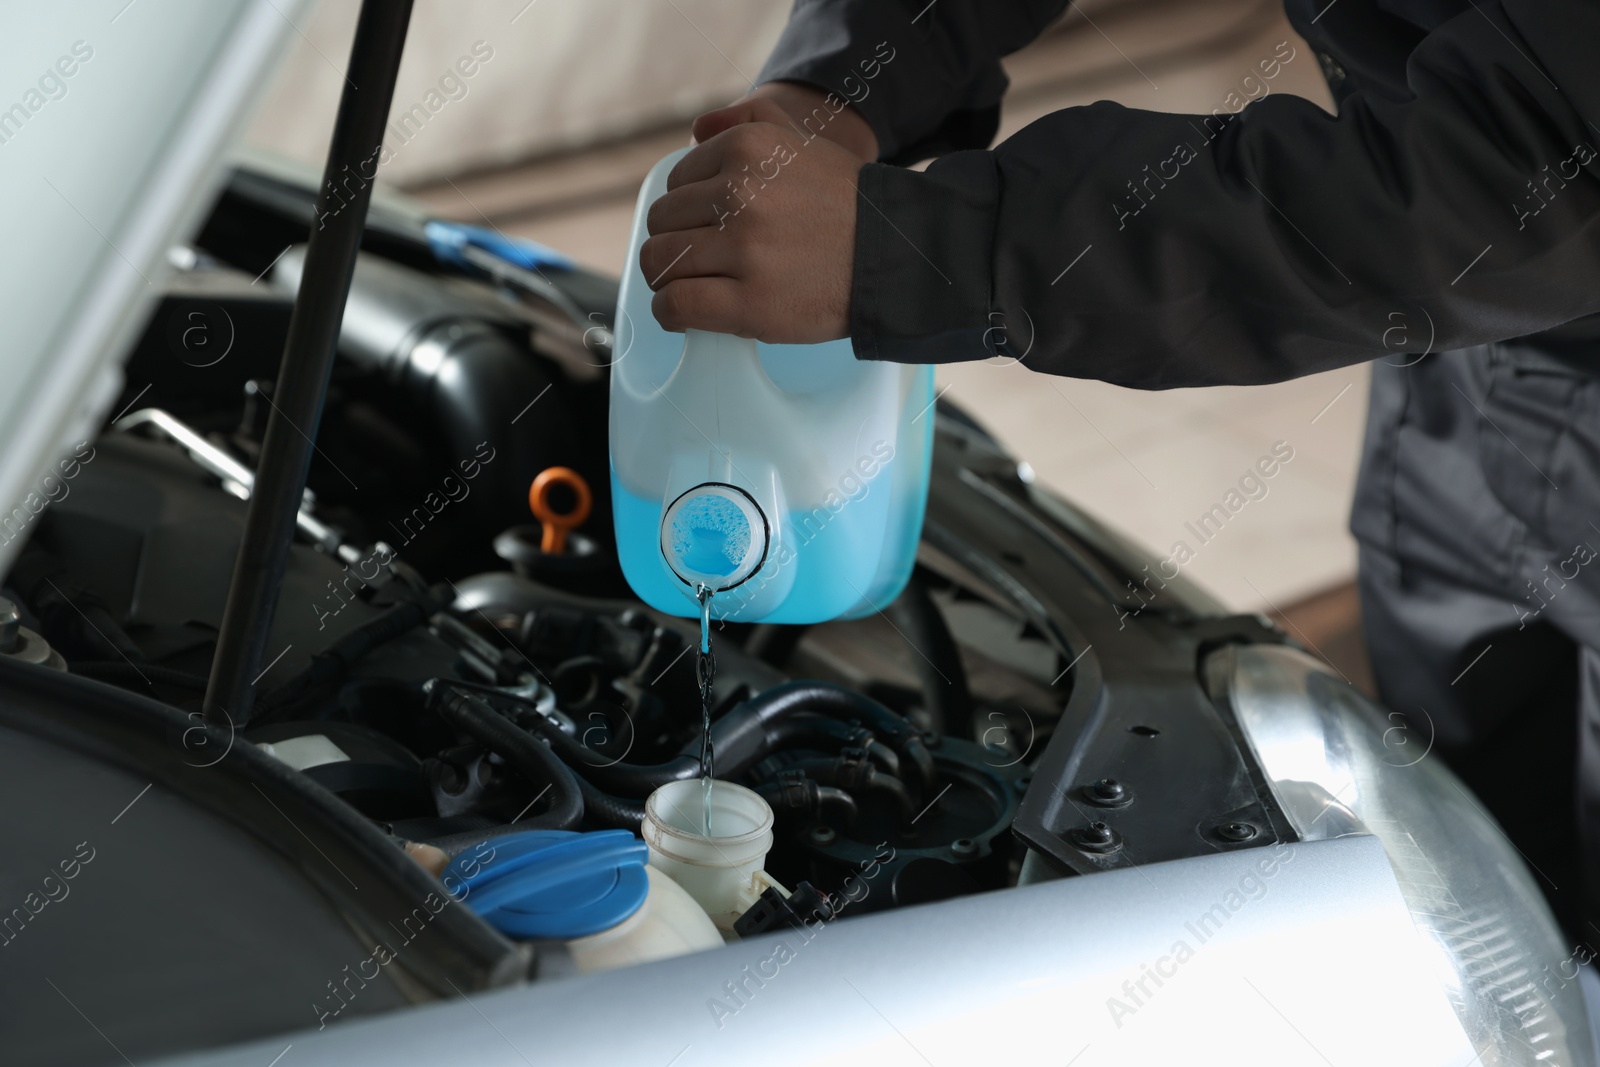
563	75
568	103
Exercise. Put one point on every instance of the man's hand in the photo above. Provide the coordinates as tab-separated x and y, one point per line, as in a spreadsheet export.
812	111
756	233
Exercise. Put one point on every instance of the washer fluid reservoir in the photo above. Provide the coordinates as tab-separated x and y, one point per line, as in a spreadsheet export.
591	890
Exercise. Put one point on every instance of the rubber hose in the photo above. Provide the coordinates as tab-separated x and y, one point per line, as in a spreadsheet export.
885	757
864	777
743	735
120	671
935	657
524	752
641	779
837	801
70	616
609	812
331	664
742	738
803	796
830	735
626	778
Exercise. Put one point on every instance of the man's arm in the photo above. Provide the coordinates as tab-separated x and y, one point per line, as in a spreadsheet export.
828	101
1154	251
925	75
1158	250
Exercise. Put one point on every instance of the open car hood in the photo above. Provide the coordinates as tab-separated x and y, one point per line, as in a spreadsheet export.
112	125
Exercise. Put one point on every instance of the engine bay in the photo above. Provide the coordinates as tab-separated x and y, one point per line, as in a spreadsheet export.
423	648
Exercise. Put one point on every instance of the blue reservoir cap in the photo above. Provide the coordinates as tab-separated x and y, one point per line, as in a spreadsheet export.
553	884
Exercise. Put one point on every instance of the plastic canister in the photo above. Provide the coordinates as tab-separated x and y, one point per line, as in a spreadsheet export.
592	890
790	480
722	869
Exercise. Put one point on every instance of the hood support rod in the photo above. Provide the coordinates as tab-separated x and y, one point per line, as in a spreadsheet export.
308	356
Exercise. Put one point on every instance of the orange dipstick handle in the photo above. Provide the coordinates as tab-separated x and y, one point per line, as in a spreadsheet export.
556	524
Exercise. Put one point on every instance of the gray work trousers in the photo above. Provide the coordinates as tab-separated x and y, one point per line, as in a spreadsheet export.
1478	516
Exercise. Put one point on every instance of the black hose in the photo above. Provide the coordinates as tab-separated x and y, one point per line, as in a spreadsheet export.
121	671
841	805
935	657
830	735
746	733
641	779
609	812
797	794
308	358
70	615
852	773
529	757
628	778
330	666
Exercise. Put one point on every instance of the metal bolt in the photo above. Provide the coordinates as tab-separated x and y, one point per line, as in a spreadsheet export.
10	626
1108	789
1236	831
1095	837
964	848
1107	793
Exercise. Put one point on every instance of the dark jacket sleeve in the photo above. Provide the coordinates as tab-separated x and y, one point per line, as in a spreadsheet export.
925	75
1157	250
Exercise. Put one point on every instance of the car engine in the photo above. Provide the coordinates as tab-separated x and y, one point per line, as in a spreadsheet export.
426	642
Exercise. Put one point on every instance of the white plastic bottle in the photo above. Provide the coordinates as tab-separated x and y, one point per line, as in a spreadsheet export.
789	480
669	923
722	869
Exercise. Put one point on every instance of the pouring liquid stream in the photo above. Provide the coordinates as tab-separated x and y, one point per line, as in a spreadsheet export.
705	672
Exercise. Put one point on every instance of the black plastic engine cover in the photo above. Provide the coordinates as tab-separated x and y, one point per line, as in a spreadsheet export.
1136	711
155	538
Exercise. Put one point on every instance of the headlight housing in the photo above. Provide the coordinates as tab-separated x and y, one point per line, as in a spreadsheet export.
1338	766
